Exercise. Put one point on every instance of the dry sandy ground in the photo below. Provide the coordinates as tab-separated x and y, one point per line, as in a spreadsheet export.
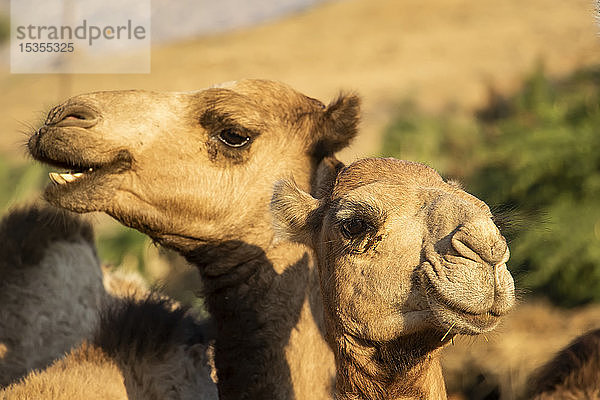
438	52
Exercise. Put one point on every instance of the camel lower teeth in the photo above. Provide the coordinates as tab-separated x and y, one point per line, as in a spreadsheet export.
62	179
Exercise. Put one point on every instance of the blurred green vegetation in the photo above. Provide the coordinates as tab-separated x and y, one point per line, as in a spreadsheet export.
4	28
536	156
22	181
124	247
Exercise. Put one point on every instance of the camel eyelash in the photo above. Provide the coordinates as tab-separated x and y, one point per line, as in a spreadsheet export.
357	227
216	122
371	215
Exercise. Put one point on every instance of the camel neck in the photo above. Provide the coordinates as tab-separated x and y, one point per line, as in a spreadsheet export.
255	303
388	372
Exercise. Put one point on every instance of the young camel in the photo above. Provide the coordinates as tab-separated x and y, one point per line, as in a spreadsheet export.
141	349
574	373
50	290
406	262
52	287
53	299
194	171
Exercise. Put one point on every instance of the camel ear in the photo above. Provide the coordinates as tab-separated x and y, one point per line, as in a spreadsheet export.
337	124
325	177
293	212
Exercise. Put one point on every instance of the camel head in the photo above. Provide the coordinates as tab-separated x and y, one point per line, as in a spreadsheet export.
401	252
189	167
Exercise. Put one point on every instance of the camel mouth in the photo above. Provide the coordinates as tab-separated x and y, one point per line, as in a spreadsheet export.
78	180
84	188
455	320
85	175
77	174
51	146
71	173
78	171
455	314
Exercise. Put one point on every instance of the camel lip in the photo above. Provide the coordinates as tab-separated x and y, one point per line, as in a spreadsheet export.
47	149
461	321
83	176
85	170
471	316
470	324
451	315
74	167
72	160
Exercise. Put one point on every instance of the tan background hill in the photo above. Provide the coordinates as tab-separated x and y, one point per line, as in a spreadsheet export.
437	52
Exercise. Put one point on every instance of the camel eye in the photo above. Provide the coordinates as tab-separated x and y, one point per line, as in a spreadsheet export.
354	227
233	139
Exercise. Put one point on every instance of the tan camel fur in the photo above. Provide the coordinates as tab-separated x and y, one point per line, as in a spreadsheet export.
573	374
195	172
85	373
406	262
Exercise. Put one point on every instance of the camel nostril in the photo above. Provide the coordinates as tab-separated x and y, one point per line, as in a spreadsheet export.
74	116
77	115
499	252
465	248
480	241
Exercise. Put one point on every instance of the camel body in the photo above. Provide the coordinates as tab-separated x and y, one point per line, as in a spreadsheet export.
136	345
141	349
574	373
